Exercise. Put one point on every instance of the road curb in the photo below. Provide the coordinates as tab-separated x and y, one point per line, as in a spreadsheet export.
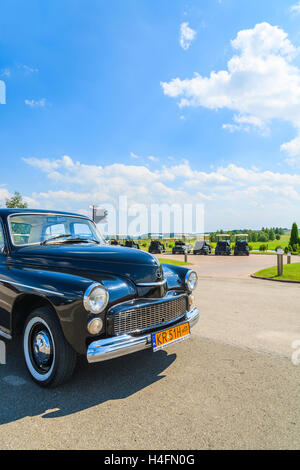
275	280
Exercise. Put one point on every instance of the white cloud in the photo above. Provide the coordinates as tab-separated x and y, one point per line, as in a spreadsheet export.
133	155
295	8
28	69
36	103
246	123
143	159
4	194
234	196
260	84
187	36
292	148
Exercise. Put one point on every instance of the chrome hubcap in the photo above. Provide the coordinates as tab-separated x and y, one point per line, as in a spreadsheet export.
42	349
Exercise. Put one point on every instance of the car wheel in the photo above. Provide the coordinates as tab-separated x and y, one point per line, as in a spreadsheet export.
50	360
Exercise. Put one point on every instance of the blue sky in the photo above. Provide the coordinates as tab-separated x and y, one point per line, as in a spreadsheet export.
93	108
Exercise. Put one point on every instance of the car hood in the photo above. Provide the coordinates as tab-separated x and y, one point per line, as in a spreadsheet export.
137	265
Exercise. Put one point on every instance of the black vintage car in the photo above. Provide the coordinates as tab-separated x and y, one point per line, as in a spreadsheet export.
223	248
67	293
181	248
132	244
156	247
241	248
202	248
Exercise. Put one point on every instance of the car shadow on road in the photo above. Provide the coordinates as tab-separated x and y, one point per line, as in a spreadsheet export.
91	384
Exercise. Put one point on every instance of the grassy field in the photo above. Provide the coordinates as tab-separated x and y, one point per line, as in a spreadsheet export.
291	272
283	242
173	261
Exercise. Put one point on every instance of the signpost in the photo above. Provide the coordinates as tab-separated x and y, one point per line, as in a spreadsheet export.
279	262
99	214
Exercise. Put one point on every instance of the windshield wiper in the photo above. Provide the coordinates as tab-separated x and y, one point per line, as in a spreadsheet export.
56	237
81	240
70	240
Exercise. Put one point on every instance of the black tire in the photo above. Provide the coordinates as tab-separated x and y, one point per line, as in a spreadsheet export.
49	359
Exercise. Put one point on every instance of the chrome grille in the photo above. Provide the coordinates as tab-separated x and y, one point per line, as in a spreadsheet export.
148	316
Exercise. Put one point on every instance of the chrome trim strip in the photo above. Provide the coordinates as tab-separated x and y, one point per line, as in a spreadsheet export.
5	335
33	288
148	284
116	346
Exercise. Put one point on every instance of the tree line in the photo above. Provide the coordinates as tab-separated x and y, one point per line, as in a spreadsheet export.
263	235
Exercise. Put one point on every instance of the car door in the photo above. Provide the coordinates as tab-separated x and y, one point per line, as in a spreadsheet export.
4	310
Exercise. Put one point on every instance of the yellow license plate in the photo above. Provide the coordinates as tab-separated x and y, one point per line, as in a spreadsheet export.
172	335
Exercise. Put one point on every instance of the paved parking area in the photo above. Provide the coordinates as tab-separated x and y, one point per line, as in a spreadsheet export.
232	385
233	267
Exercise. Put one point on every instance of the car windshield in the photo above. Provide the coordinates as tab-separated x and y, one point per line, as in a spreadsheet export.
32	229
223	243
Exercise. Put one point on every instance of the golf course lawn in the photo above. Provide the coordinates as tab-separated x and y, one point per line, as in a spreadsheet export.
173	261
291	272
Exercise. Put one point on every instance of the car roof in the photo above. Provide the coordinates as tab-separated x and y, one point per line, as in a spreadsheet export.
200	243
7	212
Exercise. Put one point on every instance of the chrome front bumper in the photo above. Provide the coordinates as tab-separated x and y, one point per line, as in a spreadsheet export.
117	346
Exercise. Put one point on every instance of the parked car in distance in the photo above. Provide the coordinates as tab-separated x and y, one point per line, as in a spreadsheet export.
132	244
223	248
69	293
181	248
202	248
156	247
241	248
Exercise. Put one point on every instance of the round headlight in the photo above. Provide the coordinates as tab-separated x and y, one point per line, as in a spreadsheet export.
191	280
95	298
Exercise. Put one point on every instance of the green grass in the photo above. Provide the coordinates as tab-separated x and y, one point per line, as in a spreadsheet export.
291	272
173	261
283	242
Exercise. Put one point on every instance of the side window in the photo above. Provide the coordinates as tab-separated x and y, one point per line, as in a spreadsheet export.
1	237
21	232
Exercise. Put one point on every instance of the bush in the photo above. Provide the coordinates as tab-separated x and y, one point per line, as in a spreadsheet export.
250	247
263	248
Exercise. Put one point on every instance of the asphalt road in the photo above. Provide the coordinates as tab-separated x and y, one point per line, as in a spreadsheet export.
231	385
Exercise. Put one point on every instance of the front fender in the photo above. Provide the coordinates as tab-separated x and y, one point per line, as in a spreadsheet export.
65	293
175	276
